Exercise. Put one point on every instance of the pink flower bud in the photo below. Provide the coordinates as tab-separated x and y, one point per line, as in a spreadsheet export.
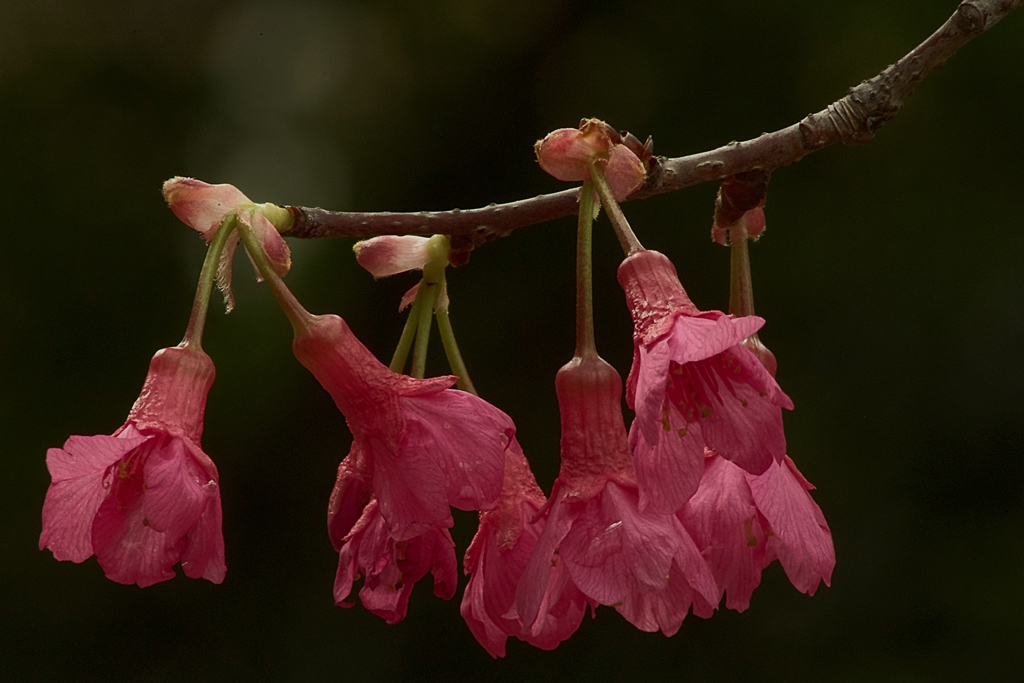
566	152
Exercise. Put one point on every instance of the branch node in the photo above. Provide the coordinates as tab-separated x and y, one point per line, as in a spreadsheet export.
969	19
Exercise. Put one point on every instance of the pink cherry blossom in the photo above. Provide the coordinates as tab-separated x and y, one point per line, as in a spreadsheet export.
742	522
203	206
147	497
391	567
497	556
598	546
565	153
426	447
693	384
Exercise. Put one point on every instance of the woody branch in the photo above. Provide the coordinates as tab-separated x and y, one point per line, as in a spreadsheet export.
852	120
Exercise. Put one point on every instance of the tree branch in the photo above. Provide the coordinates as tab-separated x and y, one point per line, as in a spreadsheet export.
852	120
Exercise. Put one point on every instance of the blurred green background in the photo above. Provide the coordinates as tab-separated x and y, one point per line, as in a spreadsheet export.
889	277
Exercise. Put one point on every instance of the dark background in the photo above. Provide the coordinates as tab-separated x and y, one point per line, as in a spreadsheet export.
889	277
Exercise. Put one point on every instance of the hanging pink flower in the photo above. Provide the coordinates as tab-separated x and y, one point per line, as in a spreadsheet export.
693	384
742	522
565	153
203	207
390	568
497	556
366	548
598	546
147	497
426	447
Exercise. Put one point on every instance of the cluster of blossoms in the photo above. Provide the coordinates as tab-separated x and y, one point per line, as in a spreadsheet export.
687	506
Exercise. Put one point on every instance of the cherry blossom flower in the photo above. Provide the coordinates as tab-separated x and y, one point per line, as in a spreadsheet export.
565	153
742	522
426	447
203	207
146	497
693	384
497	556
390	567
598	546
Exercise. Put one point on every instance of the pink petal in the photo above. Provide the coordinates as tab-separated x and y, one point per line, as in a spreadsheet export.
271	241
390	254
411	489
78	471
350	496
390	568
177	490
467	438
722	518
127	548
499	553
611	547
745	420
668	471
549	605
204	555
564	153
201	205
697	338
801	535
625	172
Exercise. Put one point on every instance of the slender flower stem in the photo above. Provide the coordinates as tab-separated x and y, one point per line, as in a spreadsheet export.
451	350
426	297
741	293
298	316
405	341
201	304
628	240
585	344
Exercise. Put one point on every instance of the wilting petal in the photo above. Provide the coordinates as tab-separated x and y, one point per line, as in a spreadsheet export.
201	205
391	254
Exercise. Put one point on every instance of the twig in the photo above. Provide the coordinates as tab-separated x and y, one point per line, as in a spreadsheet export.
852	120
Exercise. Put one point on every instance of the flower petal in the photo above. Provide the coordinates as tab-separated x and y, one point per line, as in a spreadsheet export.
77	491
390	254
201	205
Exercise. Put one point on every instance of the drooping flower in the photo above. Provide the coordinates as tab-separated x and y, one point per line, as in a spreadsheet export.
565	153
203	207
366	548
598	546
146	497
742	522
391	567
693	384
496	558
426	447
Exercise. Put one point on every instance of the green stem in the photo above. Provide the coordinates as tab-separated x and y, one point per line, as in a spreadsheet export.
207	276
741	293
298	316
451	350
585	344
426	297
405	341
628	240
